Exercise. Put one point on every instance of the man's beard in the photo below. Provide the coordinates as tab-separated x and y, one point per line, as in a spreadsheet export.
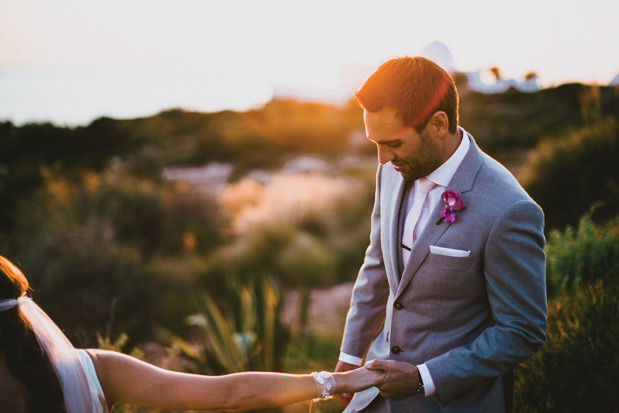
427	160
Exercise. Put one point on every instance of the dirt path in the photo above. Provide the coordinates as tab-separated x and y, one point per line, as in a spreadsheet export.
328	308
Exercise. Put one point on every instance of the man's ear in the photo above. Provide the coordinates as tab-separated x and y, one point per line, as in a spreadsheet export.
440	123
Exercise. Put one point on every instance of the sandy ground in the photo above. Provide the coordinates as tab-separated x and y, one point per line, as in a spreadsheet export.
328	308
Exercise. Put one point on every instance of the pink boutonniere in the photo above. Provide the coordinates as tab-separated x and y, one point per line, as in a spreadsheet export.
453	203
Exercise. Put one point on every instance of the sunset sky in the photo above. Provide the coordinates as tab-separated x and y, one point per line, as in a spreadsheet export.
70	61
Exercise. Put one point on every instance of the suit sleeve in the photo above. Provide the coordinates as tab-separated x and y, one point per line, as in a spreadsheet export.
514	270
367	309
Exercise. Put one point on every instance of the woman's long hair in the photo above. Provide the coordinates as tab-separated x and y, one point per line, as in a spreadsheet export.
20	349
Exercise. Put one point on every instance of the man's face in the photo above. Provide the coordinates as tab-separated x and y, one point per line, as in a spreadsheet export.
412	154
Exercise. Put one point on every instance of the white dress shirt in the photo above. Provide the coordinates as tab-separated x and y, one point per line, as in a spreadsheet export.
441	176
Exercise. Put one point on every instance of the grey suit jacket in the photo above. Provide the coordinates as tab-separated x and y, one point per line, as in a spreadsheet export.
471	320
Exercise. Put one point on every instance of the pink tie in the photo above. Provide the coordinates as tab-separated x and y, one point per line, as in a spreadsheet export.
422	187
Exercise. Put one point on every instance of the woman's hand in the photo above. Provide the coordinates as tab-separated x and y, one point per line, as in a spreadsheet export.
358	379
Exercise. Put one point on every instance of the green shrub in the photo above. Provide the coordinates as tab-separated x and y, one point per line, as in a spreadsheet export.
582	255
88	284
577	370
117	248
568	175
306	261
305	229
171	285
155	217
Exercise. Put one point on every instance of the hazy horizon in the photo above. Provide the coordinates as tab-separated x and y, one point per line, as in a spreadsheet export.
71	62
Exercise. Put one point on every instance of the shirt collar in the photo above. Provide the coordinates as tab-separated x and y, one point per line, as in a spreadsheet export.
443	174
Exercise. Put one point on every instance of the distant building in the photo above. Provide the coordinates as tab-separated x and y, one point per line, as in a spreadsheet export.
209	179
500	85
441	55
352	76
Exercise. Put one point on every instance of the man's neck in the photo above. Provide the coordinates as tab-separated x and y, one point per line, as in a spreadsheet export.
451	144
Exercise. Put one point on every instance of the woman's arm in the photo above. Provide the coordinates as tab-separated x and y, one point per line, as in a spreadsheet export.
129	380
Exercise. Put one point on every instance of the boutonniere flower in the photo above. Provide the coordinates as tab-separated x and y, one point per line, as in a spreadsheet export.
453	203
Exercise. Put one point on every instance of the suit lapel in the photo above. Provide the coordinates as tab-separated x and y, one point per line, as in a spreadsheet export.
467	171
396	234
429	236
462	182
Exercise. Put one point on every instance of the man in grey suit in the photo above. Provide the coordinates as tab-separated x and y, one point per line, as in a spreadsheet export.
452	292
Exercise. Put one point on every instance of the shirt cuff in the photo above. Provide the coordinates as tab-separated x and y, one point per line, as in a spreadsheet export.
428	384
347	358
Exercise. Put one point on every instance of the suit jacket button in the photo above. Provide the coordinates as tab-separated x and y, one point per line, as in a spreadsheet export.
398	305
396	350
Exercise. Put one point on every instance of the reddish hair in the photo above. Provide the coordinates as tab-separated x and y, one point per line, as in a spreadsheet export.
20	350
13	284
415	87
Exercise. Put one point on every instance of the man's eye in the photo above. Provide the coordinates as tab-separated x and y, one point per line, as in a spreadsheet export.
395	145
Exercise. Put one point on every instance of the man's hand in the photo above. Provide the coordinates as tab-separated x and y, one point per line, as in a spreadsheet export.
401	378
341	366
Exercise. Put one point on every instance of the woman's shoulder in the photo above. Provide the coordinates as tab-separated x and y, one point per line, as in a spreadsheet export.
118	373
106	360
89	360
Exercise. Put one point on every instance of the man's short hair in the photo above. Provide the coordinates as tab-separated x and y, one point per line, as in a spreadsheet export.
415	87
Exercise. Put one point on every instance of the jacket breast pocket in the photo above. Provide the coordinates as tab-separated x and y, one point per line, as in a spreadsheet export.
457	263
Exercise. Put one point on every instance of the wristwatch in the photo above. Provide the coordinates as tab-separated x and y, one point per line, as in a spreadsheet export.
420	388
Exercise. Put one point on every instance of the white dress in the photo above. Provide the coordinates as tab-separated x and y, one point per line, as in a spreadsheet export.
99	405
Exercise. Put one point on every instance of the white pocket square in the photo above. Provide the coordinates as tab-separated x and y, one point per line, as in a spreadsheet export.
449	252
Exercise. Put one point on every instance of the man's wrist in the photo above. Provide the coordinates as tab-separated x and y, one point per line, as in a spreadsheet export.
428	384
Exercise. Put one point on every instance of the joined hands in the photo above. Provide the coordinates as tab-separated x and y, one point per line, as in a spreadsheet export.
399	379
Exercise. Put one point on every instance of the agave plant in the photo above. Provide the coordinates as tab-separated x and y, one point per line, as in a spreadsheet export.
248	335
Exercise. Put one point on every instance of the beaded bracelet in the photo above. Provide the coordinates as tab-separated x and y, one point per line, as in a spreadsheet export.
325	383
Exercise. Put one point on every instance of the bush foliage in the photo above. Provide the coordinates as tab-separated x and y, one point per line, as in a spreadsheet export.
93	246
566	176
577	369
582	255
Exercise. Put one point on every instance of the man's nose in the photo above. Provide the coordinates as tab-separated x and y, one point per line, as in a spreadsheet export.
384	155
